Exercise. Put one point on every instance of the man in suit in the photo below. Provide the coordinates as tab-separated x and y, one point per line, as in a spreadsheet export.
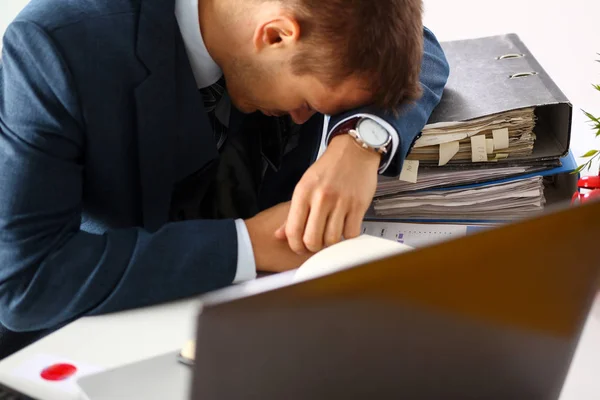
146	152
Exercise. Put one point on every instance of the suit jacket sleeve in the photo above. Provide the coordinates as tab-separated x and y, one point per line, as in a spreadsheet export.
50	270
413	117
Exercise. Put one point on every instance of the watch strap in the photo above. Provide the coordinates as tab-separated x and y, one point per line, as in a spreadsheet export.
345	128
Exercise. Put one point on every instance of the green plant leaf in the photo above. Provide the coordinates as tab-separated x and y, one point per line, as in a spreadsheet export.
591	117
595	122
578	170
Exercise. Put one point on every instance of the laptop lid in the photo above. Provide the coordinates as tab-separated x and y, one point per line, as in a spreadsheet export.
157	378
493	315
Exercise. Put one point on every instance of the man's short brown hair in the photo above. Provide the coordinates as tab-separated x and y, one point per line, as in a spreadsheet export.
380	40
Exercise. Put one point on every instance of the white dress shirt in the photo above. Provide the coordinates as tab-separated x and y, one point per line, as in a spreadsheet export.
207	72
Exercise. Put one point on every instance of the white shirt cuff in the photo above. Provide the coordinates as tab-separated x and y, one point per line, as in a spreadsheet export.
395	137
246	266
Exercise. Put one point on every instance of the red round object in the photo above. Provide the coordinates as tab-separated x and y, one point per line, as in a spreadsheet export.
58	372
589	182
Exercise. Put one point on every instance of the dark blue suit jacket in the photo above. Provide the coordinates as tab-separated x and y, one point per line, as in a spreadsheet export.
99	117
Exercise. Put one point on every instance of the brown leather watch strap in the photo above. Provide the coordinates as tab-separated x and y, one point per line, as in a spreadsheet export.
352	123
344	128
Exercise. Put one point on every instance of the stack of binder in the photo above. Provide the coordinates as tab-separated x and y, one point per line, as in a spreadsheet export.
496	148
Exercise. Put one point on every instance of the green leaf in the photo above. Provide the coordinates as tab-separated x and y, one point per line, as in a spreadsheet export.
590	153
578	170
597	87
591	117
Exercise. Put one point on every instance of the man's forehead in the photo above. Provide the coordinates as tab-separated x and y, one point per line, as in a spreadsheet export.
344	101
344	97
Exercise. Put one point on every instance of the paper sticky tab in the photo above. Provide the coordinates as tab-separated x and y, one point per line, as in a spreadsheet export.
478	148
187	354
410	170
501	156
447	151
500	138
432	140
489	145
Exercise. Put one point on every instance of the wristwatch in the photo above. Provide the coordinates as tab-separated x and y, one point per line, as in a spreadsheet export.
368	134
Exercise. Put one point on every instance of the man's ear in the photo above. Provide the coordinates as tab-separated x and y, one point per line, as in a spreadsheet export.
280	31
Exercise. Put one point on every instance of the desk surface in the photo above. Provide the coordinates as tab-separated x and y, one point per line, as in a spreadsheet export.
108	341
97	343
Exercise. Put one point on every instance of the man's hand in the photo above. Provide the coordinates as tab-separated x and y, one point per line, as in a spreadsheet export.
270	253
331	199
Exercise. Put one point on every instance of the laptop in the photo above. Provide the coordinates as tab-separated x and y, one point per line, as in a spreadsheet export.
493	315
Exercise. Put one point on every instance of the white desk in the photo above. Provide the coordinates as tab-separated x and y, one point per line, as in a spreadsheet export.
118	339
104	342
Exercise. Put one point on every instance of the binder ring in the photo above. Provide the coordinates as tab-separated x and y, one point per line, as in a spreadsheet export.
512	55
522	74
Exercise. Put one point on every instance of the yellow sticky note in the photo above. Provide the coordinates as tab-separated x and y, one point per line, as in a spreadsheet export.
500	138
447	151
478	148
501	156
489	145
410	170
188	351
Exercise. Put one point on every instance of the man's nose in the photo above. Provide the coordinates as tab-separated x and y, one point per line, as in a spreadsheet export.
301	115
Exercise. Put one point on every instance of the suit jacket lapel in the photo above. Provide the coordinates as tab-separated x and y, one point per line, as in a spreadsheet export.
155	117
160	127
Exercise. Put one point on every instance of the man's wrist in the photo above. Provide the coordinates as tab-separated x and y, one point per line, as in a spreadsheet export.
347	144
350	129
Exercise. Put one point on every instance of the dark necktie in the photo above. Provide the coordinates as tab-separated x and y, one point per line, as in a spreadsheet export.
212	95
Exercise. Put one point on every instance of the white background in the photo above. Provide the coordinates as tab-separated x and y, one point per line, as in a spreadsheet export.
563	35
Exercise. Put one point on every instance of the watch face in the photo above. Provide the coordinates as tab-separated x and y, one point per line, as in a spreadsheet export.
372	133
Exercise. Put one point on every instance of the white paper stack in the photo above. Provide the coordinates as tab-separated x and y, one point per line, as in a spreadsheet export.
428	178
487	139
499	201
